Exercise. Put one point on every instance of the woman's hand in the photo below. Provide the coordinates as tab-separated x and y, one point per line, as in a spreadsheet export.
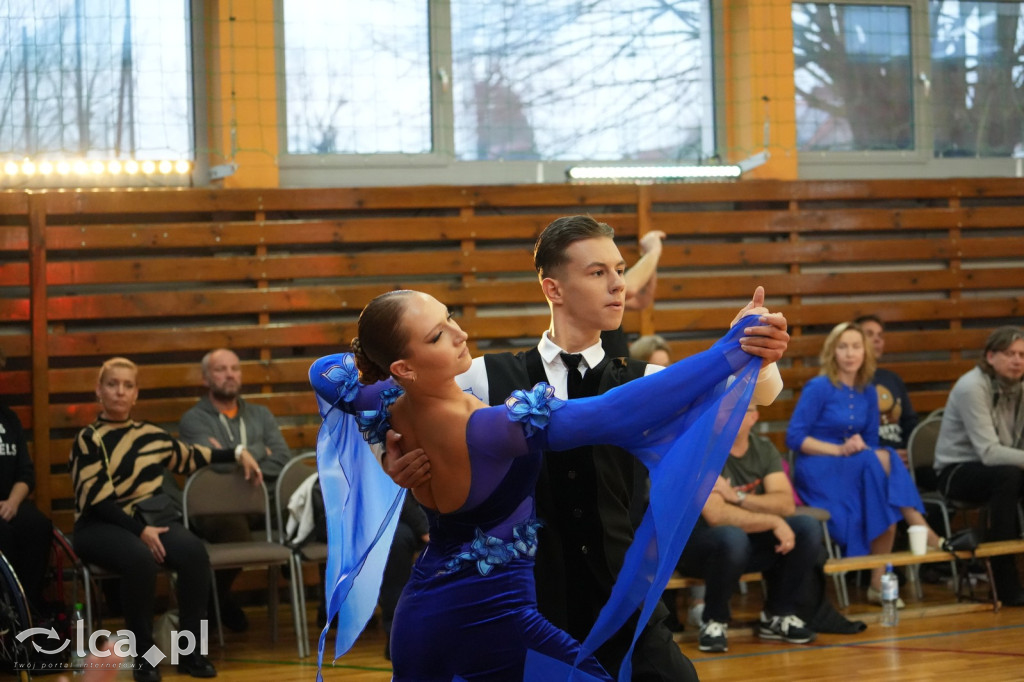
852	445
150	537
250	467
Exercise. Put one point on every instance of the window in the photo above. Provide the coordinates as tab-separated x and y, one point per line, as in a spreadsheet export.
977	79
853	77
358	77
95	80
936	84
492	90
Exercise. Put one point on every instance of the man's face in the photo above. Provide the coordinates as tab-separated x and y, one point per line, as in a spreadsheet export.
1009	363
224	375
873	332
593	290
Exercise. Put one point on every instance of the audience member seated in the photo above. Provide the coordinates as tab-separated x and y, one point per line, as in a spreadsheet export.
411	536
896	413
123	525
979	455
840	465
25	533
748	524
223	419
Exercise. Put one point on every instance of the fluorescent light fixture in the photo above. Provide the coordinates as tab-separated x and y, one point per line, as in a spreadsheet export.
653	172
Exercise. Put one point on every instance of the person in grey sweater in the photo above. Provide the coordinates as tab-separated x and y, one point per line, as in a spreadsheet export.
223	419
979	456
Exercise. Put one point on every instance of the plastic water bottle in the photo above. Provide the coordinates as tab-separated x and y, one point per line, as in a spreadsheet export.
890	595
77	661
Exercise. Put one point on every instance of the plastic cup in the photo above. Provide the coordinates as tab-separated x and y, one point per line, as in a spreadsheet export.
918	539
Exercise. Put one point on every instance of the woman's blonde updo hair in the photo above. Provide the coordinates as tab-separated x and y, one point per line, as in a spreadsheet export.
110	364
382	339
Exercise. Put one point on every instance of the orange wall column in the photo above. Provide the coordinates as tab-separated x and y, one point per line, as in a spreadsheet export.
757	48
242	90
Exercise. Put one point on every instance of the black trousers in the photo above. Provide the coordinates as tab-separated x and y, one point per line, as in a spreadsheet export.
25	540
121	551
1000	489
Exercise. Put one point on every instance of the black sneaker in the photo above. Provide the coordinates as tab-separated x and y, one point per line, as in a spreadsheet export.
196	665
712	637
144	672
786	628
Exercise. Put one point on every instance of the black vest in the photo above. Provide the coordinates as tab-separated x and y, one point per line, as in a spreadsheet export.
583	497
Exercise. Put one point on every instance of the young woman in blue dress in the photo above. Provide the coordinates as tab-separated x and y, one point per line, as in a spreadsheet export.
840	464
469	609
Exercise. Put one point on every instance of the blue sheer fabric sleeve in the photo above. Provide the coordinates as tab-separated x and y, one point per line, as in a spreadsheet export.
680	422
362	503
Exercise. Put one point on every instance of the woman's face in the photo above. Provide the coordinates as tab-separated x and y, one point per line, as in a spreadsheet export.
850	352
1009	363
437	349
117	392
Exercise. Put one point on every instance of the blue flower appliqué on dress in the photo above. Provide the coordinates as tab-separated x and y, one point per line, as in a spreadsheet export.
487	551
374	424
534	407
346	377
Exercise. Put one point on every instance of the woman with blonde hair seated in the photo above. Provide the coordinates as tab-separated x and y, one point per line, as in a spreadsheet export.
124	524
841	466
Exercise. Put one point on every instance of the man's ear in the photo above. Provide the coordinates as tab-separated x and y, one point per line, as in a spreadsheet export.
552	290
400	369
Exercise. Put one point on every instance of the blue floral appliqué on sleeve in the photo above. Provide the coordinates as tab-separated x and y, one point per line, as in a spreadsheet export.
374	424
346	378
534	407
487	551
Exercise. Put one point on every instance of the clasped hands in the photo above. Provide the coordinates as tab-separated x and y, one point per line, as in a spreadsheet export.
769	340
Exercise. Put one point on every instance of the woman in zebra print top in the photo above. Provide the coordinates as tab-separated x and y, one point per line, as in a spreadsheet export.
116	464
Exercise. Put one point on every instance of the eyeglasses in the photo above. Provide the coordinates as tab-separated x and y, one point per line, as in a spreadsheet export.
1019	354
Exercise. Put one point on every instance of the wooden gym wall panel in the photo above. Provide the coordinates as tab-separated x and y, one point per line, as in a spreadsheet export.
280	276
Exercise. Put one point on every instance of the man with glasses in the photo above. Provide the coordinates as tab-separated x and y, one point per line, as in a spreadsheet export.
979	457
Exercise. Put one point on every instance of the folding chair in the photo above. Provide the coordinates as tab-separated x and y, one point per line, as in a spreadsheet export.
209	492
291	477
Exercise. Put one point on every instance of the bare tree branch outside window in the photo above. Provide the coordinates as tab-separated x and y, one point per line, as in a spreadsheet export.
94	78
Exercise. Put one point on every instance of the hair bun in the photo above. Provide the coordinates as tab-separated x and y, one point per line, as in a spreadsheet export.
369	372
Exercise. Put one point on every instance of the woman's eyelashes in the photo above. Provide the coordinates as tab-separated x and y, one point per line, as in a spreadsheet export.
441	331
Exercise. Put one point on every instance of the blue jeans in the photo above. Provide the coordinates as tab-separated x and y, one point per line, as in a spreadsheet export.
720	555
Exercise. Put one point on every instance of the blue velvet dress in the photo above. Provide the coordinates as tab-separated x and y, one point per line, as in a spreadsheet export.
469	609
862	500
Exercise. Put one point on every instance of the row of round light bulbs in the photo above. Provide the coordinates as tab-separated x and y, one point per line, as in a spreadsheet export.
114	167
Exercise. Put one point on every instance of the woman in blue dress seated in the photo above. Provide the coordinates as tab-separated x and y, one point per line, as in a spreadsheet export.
469	609
840	464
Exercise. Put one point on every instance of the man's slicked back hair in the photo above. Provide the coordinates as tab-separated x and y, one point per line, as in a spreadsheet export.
550	251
